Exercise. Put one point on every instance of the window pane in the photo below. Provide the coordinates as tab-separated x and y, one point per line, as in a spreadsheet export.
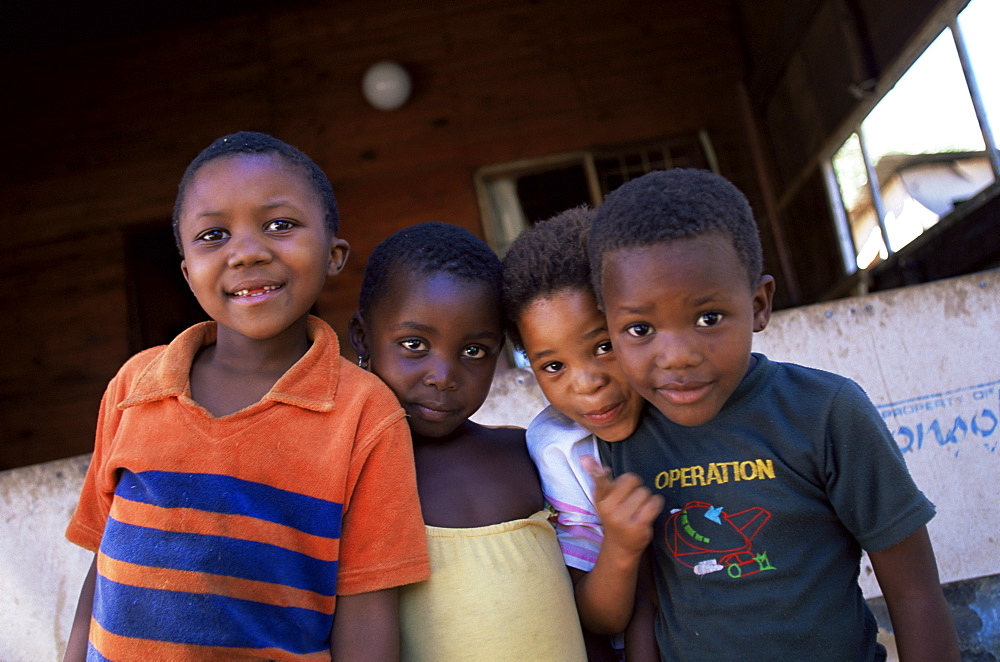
849	168
978	24
926	144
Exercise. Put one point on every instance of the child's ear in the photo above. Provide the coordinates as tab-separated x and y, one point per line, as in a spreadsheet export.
339	250
356	334
762	298
184	270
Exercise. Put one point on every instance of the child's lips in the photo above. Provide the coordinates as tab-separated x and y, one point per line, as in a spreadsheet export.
433	411
605	415
253	290
684	393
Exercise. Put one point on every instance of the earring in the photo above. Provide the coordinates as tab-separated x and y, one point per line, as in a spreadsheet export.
363	362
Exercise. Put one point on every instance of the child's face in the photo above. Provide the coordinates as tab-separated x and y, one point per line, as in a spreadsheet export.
681	316
566	339
435	340
257	251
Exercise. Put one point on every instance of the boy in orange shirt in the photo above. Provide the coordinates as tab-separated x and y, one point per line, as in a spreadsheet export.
251	494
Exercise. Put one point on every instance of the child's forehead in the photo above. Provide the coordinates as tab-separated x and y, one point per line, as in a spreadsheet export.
561	314
440	284
242	176
262	163
712	246
439	303
708	260
579	297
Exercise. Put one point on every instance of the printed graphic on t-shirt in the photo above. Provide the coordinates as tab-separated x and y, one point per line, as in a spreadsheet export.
707	539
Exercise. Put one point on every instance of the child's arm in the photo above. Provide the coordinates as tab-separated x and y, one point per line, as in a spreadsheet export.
79	634
921	621
640	635
605	596
366	627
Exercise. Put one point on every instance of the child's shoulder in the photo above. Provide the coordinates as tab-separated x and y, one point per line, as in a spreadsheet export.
815	384
497	444
803	375
362	383
137	365
551	428
551	418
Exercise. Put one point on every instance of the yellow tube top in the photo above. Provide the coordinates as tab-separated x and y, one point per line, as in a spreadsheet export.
496	593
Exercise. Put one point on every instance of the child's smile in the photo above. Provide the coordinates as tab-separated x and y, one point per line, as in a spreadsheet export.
681	316
257	251
254	290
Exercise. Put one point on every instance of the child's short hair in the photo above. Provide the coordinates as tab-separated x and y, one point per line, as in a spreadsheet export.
666	205
549	257
252	142
429	248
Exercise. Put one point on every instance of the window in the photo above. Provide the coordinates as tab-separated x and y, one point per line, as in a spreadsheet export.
926	146
514	195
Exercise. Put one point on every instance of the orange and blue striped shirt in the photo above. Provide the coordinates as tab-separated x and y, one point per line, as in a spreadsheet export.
222	538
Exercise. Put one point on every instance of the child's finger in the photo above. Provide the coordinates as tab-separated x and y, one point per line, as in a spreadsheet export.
639	502
650	509
600	475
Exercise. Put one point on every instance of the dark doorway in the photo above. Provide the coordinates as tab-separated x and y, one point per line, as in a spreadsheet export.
160	304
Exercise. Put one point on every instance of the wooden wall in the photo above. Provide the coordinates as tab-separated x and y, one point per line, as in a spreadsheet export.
99	131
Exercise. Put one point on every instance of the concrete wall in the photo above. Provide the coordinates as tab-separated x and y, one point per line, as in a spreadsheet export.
40	571
927	356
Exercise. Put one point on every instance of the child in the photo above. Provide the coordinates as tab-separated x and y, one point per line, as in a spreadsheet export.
553	316
430	325
775	475
247	481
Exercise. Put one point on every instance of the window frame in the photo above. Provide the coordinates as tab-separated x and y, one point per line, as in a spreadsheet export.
946	18
493	227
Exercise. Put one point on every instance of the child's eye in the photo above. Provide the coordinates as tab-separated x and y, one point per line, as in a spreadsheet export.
603	348
475	352
279	225
553	367
708	319
212	235
414	344
640	330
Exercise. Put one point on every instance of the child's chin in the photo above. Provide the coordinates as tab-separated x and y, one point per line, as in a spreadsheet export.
614	434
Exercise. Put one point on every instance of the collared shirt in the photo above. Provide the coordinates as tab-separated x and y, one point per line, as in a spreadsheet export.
233	535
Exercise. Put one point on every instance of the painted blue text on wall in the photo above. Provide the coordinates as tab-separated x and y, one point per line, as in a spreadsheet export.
962	419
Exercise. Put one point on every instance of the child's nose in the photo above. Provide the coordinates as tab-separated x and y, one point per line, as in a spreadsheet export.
247	249
588	381
442	375
675	351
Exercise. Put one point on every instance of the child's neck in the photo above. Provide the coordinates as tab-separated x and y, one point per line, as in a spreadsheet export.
475	476
237	371
464	433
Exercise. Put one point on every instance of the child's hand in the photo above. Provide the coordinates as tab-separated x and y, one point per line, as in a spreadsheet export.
627	508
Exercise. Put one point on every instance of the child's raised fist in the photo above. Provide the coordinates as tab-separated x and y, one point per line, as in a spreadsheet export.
627	508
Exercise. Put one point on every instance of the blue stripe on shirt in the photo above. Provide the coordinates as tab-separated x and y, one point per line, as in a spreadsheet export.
208	620
232	496
94	655
218	555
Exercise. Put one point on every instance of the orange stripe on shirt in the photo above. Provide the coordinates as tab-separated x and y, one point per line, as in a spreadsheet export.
240	527
186	581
